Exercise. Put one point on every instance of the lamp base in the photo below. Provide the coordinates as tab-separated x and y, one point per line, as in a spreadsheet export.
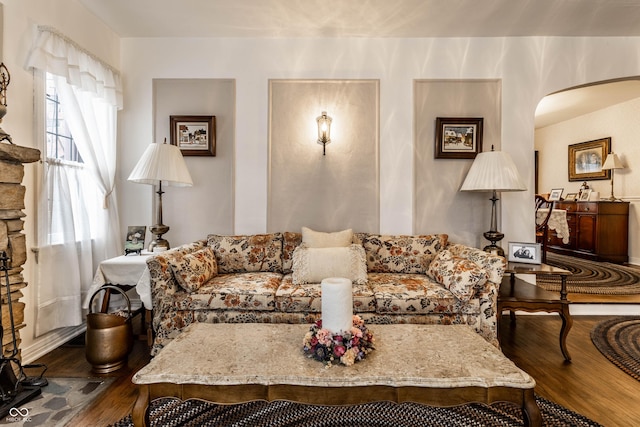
612	199
493	237
494	249
158	243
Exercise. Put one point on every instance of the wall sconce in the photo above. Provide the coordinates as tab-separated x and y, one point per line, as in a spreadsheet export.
324	130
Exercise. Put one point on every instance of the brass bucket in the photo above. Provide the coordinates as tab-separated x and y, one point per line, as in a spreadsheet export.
109	336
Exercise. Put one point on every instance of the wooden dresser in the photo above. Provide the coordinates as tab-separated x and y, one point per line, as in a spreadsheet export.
599	231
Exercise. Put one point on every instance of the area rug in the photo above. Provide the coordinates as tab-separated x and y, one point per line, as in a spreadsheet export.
618	339
589	277
58	403
168	412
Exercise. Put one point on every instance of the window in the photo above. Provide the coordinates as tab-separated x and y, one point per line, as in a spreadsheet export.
72	201
60	144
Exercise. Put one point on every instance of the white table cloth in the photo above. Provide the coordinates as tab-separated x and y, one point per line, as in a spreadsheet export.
557	222
124	270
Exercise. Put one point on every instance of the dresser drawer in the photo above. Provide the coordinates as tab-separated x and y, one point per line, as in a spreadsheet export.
567	206
590	207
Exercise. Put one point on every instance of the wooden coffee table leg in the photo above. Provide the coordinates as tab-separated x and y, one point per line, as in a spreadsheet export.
140	414
530	410
567	322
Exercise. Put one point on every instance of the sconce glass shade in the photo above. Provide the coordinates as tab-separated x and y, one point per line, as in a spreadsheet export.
324	130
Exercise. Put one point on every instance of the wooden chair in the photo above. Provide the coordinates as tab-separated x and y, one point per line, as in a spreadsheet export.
542	230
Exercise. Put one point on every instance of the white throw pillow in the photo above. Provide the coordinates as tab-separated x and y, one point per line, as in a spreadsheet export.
312	265
319	239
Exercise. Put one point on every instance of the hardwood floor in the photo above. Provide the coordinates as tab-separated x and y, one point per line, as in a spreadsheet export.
590	385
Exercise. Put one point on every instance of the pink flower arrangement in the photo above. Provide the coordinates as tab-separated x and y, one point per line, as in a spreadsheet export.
346	347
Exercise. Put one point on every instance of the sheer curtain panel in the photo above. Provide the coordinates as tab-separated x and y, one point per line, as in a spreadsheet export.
78	223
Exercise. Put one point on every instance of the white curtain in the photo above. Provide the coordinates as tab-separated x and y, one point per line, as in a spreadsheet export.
65	255
78	210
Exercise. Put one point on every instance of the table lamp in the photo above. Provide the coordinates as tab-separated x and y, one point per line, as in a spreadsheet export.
493	171
612	162
161	163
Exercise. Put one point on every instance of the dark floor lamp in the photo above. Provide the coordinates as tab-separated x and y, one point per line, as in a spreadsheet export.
493	171
161	164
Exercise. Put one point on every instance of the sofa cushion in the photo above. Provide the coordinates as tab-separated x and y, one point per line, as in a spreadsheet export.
194	269
319	239
461	276
250	253
307	298
290	241
400	293
237	291
401	254
312	265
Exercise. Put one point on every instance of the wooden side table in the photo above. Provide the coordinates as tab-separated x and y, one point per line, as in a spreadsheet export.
516	294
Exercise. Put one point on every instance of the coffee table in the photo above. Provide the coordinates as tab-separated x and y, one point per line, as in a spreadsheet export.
438	365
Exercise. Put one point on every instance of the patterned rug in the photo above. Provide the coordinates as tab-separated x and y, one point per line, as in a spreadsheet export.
618	340
167	412
59	402
589	277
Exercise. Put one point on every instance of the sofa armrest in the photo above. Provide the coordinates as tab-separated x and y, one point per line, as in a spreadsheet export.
162	281
495	266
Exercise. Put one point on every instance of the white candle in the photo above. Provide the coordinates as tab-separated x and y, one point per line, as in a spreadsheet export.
337	304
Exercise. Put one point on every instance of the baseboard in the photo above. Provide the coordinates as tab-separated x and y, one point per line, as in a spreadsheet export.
50	342
595	309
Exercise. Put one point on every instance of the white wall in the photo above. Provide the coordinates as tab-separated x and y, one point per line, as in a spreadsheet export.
75	22
621	123
528	69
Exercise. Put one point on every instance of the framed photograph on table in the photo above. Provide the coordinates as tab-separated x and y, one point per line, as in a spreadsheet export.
585	195
134	241
458	138
194	135
586	160
528	253
571	197
556	194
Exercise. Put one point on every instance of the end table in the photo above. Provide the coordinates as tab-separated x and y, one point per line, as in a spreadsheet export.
516	294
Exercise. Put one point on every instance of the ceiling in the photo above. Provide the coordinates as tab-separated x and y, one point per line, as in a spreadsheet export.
368	18
392	18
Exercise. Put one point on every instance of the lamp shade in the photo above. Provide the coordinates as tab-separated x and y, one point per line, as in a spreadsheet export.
612	162
162	162
493	170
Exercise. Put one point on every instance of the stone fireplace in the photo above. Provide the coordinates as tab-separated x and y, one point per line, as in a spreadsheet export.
12	239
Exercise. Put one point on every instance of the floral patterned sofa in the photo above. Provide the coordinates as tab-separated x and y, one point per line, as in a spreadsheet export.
408	279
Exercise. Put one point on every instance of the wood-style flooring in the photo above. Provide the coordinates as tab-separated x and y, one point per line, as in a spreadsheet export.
590	385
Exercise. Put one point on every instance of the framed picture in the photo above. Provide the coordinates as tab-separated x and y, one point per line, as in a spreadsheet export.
194	135
584	196
556	194
586	160
458	138
571	197
528	253
134	242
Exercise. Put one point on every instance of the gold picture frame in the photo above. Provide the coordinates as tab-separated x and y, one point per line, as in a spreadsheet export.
586	160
